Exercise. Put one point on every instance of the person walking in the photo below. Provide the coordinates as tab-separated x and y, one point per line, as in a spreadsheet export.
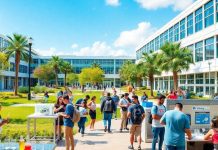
79	101
124	104
116	100
46	96
176	125
68	131
144	97
83	113
136	114
158	129
107	108
92	112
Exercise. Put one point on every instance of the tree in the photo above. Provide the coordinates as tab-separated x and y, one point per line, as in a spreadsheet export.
18	46
149	67
65	68
95	65
55	62
3	61
72	78
175	59
44	73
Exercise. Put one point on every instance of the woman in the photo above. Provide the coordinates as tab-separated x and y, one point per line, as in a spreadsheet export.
46	96
144	97
59	107
172	95
213	133
92	112
82	121
180	94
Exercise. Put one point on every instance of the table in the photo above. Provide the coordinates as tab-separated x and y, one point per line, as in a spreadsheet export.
41	138
198	143
35	146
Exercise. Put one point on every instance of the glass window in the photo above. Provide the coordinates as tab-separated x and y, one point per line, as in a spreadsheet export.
157	46
200	78
171	39
210	90
210	78
198	20
176	32
190	24
199	89
152	45
161	39
190	88
217	10
182	29
209	48
182	79
165	36
199	51
208	14
191	48
190	79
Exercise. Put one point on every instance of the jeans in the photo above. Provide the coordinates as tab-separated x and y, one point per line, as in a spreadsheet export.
107	117
169	147
158	132
81	124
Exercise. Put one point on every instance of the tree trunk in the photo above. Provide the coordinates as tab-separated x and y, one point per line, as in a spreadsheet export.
56	78
151	80
175	80
17	63
65	78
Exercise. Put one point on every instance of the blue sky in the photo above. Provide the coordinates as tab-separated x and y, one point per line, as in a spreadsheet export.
87	27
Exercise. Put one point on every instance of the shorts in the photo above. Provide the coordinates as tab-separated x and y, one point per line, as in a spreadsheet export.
135	129
61	122
92	114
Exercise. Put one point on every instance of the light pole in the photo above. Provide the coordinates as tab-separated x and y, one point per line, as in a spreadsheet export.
209	63
30	46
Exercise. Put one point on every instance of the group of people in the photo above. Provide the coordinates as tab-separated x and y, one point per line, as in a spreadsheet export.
178	94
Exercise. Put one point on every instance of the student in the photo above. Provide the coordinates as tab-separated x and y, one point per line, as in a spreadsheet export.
172	95
124	104
92	112
59	107
82	121
2	121
144	97
46	96
79	101
213	133
68	115
136	114
116	100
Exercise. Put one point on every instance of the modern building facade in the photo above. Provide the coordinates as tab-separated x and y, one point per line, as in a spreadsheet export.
110	65
196	28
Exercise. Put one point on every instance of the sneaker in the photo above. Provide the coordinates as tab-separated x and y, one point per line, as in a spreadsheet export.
109	131
105	129
82	135
130	147
127	129
121	130
135	141
139	148
79	130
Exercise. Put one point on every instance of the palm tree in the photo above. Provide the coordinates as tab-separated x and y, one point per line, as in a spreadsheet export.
66	68
96	65
149	67
55	62
18	47
175	59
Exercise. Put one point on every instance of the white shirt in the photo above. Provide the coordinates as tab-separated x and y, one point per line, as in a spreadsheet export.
82	111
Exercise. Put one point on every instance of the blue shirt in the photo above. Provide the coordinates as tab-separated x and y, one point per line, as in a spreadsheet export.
116	99
69	111
176	123
131	109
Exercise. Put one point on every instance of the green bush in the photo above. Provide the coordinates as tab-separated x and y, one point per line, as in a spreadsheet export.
143	88
23	89
39	89
51	90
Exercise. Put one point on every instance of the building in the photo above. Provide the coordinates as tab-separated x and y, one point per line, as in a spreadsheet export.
196	28
110	65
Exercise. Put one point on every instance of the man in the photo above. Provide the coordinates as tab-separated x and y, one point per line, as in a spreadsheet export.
177	124
136	114
79	101
158	129
124	104
107	108
68	115
116	100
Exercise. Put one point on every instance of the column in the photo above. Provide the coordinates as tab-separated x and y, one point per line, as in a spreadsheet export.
114	72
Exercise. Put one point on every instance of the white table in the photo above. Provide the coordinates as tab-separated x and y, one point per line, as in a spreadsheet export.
198	141
41	138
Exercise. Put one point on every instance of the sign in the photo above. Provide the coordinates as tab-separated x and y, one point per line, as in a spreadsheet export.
44	109
202	118
200	108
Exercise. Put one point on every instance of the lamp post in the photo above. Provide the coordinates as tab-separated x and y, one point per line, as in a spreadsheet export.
209	63
30	46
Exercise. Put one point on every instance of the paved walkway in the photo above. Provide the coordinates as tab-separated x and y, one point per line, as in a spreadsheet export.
99	140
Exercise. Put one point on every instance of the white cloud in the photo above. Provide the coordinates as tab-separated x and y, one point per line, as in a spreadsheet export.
74	46
134	37
113	2
99	48
51	51
155	4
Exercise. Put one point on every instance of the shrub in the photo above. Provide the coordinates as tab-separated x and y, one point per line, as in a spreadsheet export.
51	90
143	88
23	89
39	89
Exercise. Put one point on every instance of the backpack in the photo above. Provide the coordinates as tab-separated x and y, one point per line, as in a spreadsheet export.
150	115
76	116
137	115
108	106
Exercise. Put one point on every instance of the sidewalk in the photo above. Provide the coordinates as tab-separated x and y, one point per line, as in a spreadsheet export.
99	140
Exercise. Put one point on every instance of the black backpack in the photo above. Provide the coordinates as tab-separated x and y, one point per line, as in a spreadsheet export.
108	106
150	115
137	115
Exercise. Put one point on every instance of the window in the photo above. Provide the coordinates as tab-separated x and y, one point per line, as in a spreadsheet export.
190	88
217	46
190	25
157	46
182	29
152	45
12	67
210	90
208	14
217	10
176	32
210	78
198	20
171	35
199	89
200	78
209	48
182	79
161	39
165	36
190	79
199	51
